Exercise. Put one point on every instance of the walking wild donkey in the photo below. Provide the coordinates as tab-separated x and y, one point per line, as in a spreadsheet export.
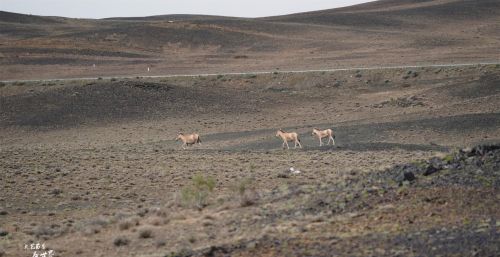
188	139
292	136
320	134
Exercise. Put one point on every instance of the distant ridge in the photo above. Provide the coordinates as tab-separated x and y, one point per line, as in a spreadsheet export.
379	33
25	18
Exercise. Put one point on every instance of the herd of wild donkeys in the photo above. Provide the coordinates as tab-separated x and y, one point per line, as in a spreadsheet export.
191	139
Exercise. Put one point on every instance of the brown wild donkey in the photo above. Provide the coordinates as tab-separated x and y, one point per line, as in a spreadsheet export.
292	136
188	139
320	134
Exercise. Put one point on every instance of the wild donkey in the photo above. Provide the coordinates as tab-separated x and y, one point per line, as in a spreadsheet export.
292	136
188	139
322	134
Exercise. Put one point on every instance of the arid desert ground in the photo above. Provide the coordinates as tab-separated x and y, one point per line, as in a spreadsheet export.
90	167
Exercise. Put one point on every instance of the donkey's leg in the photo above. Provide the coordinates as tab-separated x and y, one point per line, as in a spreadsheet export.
287	147
300	145
320	141
333	141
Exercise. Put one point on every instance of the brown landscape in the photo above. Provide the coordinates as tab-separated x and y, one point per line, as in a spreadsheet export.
380	33
89	166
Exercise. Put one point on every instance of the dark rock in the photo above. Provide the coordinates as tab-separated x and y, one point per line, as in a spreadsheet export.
406	173
56	191
189	252
3	232
430	170
408	176
283	175
482	150
438	163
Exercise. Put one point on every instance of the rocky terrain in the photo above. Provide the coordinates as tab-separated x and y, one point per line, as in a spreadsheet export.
91	168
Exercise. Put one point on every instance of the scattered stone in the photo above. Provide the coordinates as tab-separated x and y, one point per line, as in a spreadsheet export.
283	175
408	176
404	102
430	170
292	170
160	242
3	232
56	191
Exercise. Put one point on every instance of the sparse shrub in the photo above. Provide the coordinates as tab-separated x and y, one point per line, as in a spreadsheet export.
245	190
2	84
449	158
160	242
121	241
181	253
220	76
145	233
113	79
126	224
99	221
142	212
197	193
155	221
99	78
56	191
252	76
46	231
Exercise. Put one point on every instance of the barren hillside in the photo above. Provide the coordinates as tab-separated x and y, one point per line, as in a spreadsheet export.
376	33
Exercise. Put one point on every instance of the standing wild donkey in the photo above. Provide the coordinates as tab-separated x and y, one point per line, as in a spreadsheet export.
292	136
188	139
320	134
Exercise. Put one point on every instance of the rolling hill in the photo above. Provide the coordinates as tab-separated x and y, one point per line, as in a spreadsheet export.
376	33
